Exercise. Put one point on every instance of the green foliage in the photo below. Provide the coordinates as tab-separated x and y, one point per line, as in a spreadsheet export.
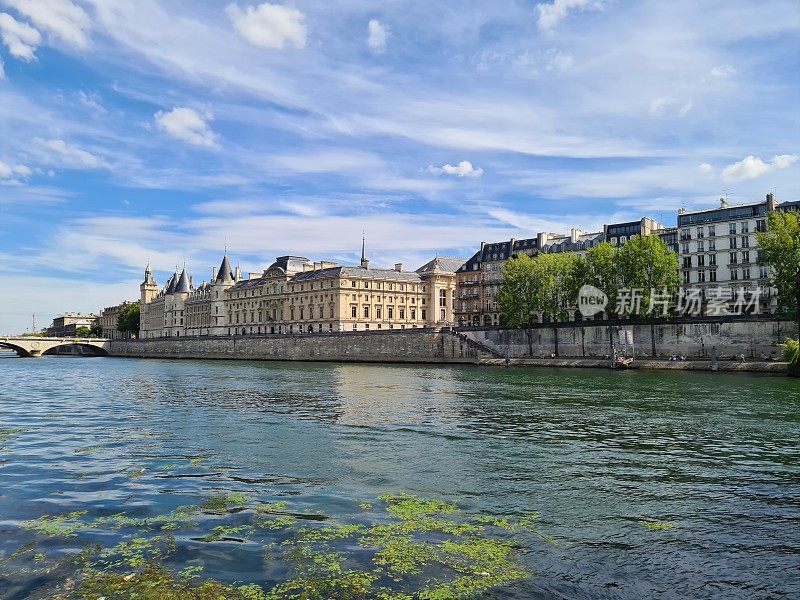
601	268
646	263
518	300
780	250
129	318
791	352
224	503
85	332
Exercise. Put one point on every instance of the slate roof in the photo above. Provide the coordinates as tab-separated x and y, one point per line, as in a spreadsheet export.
182	286
289	264
788	206
445	263
356	273
225	274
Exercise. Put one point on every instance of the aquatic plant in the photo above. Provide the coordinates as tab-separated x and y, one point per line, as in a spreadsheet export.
657	525
405	548
7	434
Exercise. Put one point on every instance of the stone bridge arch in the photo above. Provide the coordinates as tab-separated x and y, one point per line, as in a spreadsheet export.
36	346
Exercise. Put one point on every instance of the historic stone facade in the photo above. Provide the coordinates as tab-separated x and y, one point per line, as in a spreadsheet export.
108	321
295	295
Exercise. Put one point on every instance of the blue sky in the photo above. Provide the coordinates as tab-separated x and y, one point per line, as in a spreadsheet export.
162	130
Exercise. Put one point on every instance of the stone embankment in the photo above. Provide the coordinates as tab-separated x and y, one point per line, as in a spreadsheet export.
589	345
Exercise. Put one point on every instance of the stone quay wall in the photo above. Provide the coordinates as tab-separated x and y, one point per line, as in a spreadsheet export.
408	345
754	338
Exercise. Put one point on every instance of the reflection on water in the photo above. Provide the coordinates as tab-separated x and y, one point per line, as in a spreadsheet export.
713	457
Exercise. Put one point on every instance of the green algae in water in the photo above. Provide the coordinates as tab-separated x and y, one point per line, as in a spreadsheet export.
57	525
657	525
412	549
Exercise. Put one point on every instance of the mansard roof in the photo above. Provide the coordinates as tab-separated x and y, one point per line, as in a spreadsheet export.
289	264
356	273
446	264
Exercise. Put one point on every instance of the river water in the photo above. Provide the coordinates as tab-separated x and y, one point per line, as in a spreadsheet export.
667	485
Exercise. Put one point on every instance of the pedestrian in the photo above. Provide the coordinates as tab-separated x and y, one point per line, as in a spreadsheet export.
741	357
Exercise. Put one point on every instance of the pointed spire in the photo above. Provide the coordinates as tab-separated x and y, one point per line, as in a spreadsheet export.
364	261
224	275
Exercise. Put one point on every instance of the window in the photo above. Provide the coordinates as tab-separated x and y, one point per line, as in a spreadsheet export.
378	312
413	314
424	314
685	247
443	298
687	262
746	256
746	273
302	316
711	231
701	247
353	283
734	259
391	312
712	259
733	243
366	311
734	274
687	277
442	314
745	227
712	245
732	228
746	241
701	261
402	312
761	225
700	233
353	311
701	276
366	327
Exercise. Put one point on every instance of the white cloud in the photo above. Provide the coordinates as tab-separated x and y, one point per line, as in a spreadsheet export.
62	18
560	61
70	155
20	38
670	106
188	125
378	34
8	171
551	15
723	71
706	169
328	161
462	169
752	167
269	25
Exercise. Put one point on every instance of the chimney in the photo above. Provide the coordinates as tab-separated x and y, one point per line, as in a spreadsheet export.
365	263
238	275
573	235
398	267
213	273
770	202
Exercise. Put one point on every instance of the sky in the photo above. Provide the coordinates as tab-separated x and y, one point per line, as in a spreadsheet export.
166	130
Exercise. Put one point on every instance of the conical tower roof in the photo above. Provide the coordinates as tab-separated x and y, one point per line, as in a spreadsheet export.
173	281
182	287
225	275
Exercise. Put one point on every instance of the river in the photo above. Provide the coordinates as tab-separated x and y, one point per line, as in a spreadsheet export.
592	484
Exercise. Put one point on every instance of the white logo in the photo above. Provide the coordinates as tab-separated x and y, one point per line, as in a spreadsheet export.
591	301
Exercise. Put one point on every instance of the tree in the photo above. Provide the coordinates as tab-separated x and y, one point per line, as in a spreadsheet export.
780	250
128	319
602	270
517	296
84	332
556	281
646	264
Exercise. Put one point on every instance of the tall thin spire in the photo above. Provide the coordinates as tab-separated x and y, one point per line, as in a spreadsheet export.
364	261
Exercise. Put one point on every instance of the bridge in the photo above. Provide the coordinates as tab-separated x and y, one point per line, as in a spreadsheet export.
41	346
